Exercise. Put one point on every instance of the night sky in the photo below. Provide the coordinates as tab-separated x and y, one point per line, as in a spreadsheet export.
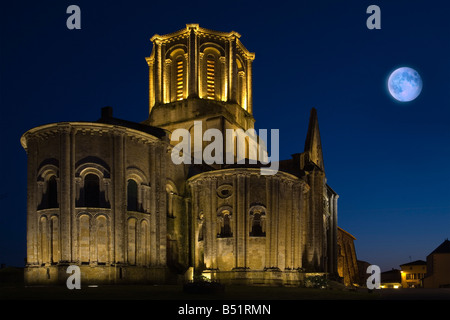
388	161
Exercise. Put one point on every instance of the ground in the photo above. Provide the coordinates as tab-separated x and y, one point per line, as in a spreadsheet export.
175	292
12	288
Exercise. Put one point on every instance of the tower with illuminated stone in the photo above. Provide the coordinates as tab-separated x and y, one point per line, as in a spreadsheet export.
106	196
197	74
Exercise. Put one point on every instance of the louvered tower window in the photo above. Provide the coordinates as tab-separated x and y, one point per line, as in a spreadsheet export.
210	86
180	79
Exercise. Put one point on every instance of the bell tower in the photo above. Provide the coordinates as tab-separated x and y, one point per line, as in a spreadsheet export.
197	74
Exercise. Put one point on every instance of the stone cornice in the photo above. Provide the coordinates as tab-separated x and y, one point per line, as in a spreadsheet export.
201	32
197	29
85	128
247	172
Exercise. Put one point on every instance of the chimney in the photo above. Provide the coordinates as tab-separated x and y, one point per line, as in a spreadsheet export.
107	112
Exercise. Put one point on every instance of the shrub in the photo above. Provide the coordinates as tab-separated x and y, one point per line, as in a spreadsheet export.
316	282
201	284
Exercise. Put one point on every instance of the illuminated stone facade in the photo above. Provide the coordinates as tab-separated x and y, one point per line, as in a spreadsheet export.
106	196
347	262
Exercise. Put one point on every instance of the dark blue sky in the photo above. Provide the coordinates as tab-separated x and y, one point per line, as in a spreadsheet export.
388	161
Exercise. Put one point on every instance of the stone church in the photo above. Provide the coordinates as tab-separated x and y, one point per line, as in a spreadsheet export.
107	197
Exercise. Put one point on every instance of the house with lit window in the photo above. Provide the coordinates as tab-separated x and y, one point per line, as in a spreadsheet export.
391	279
413	274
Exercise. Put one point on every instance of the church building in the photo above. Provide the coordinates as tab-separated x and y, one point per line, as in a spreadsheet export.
106	196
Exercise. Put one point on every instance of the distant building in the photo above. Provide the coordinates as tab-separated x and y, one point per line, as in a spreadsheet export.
413	274
347	262
391	279
438	267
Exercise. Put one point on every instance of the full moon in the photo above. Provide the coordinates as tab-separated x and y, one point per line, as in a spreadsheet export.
405	84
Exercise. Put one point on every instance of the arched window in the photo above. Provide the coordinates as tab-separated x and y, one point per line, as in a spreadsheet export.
132	195
144	247
175	73
171	199
210	77
257	226
102	240
92	190
84	241
257	221
180	78
54	239
44	240
52	193
225	230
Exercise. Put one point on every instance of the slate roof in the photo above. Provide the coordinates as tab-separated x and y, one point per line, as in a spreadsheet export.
107	118
414	263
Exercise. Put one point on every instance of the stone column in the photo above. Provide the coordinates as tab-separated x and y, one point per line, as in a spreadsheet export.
66	190
242	92
153	207
241	221
119	204
226	71
269	218
161	209
201	76
235	220
159	71
296	235
282	224
210	215
246	214
333	237
274	222
195	221
151	82
192	82
249	87
213	201
168	81
309	223
289	224
223	79
32	202
232	70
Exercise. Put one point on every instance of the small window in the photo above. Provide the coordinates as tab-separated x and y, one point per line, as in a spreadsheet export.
257	230
210	77
225	191
92	190
180	78
52	193
132	198
225	230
